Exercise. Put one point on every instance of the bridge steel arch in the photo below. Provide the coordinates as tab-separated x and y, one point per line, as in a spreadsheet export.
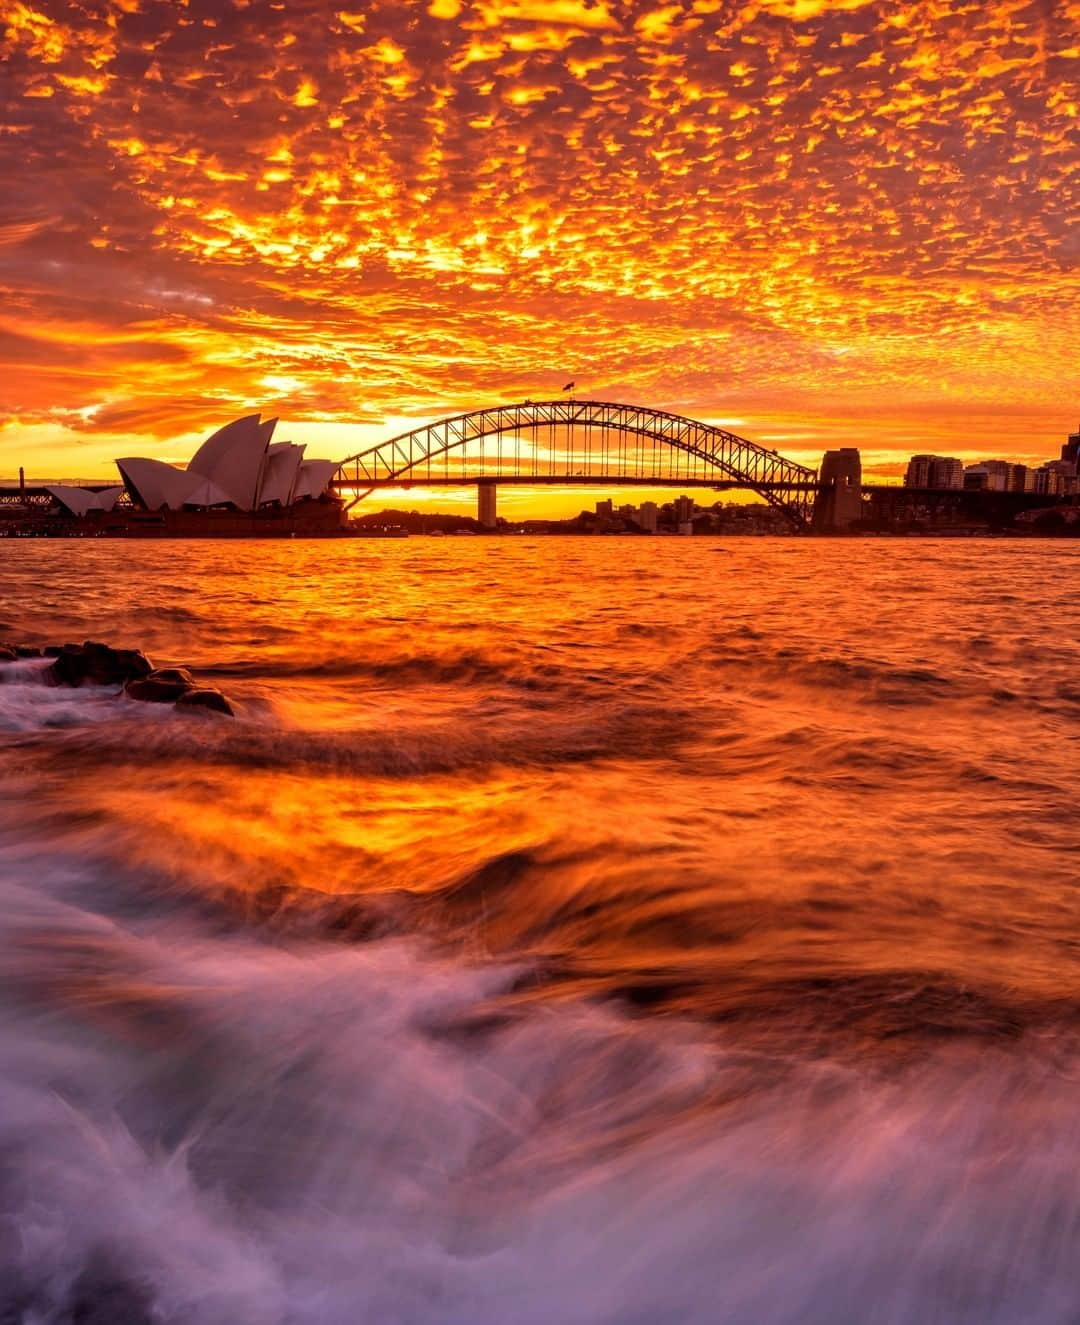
683	450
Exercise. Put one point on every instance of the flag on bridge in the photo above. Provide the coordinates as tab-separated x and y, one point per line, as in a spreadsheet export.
569	386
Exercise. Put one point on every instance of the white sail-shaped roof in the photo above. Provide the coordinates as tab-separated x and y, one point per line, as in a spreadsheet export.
313	477
81	501
280	472
238	465
207	493
155	484
232	458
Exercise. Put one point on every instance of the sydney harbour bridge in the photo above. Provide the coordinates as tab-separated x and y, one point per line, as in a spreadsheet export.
571	442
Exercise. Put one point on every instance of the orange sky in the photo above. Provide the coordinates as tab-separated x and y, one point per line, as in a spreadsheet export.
818	221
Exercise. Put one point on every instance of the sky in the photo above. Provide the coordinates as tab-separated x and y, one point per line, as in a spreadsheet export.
816	222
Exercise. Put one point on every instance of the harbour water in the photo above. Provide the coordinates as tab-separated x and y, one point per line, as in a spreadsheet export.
592	931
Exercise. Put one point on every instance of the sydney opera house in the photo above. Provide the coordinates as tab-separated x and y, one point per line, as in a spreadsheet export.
239	482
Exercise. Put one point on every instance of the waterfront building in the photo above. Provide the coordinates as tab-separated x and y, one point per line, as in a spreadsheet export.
646	518
946	472
684	510
1049	480
918	471
81	501
605	509
934	471
989	476
1057	478
237	467
1000	472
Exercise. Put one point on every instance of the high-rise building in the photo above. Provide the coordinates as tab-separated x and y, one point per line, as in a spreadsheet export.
1049	479
934	471
684	509
918	471
1070	452
1057	478
646	516
989	476
1021	478
946	472
604	509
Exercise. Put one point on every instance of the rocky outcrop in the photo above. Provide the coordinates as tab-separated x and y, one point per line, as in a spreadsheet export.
96	664
204	699
164	685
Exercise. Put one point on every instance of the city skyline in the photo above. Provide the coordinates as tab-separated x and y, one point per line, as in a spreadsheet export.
816	222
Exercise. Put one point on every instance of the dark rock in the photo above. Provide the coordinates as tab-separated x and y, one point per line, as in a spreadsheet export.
133	662
106	666
7	655
155	689
178	675
69	666
205	699
96	664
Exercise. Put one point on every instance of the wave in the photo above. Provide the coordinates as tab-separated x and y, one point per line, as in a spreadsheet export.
105	725
206	1131
399	749
466	665
28	704
972	670
461	668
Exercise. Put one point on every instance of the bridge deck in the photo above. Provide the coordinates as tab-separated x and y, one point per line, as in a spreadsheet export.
557	480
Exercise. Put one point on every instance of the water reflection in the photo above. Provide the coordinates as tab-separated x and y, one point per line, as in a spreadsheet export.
707	933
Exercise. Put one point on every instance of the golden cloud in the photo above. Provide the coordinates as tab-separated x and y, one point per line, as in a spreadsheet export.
813	206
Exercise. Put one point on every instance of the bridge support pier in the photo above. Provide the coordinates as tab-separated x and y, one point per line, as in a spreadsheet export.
485	504
839	500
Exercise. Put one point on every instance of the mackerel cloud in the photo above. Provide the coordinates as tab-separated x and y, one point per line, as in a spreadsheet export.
776	207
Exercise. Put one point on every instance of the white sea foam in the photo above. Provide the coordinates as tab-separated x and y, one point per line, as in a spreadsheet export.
27	704
209	1129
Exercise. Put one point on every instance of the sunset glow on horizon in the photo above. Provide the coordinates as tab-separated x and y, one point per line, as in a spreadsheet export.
823	222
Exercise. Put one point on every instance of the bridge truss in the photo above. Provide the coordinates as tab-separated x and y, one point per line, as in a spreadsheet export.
581	441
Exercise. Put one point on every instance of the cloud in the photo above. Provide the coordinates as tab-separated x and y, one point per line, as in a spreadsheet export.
426	205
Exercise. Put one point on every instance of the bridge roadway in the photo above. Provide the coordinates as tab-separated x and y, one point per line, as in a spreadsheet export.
37	492
560	481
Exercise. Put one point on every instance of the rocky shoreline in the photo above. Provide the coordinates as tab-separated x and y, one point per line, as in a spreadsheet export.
96	664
